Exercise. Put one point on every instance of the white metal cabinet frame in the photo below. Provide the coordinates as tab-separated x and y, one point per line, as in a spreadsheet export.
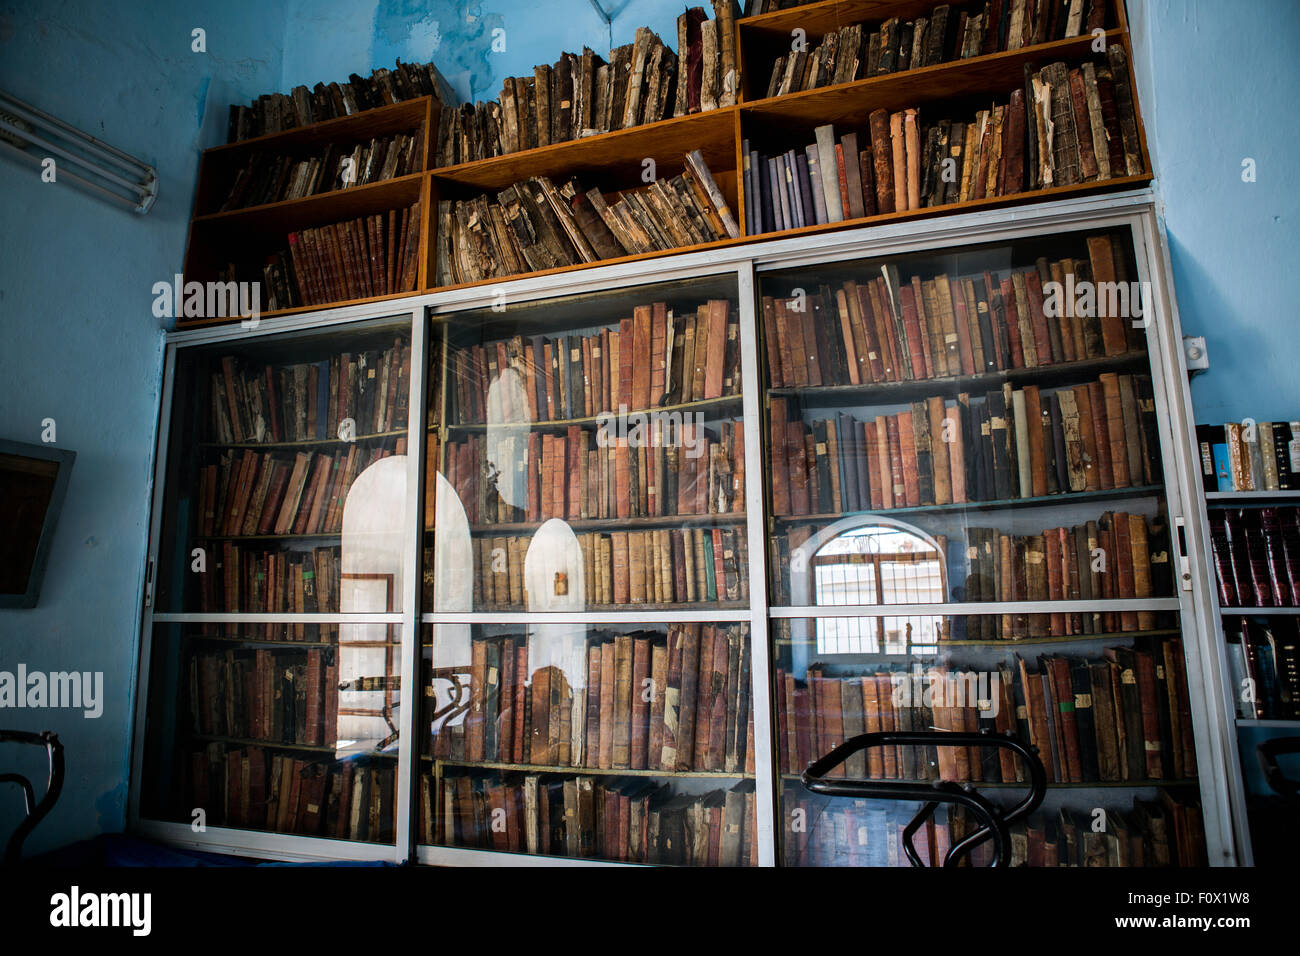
1222	800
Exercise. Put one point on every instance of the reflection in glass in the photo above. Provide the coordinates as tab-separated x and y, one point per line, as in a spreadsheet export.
623	743
1112	713
882	563
374	519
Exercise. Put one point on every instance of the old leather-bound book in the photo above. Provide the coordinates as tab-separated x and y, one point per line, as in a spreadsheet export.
1088	166
1126	108
921	452
1102	264
942	434
1110	756
1065	158
1113	412
1148	692
622	704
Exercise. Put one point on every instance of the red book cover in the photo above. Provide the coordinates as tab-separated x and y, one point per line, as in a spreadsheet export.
915	339
1042	337
842	173
797	468
871	460
962	322
907	456
899	491
640	734
716	368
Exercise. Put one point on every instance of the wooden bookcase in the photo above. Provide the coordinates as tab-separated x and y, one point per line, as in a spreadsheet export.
613	161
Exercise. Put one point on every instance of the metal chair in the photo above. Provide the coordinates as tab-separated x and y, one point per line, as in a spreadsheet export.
36	812
994	822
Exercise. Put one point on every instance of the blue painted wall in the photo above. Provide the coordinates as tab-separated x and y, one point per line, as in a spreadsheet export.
1216	81
321	35
78	342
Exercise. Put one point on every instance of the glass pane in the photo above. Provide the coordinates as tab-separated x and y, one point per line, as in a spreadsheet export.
283	727
631	743
1109	715
588	453
286	484
979	401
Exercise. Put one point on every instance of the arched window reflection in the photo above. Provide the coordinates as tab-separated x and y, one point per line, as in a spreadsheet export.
371	581
507	438
884	562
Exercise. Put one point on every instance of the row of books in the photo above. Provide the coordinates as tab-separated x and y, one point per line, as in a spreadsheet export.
261	493
1250	456
276	112
1256	556
276	177
644	700
356	259
280	696
534	225
659	356
1080	127
582	475
628	821
1164	832
256	788
292	582
307	401
896	45
582	95
1016	443
891	329
1264	660
1123	717
1120	556
670	566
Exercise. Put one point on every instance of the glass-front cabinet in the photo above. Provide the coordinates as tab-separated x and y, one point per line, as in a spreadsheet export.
637	545
585	479
274	694
967	427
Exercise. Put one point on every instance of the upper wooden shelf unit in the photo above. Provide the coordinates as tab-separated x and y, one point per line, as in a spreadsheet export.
614	160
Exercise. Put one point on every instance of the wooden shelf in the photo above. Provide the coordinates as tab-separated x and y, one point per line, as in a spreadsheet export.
1064	639
613	160
324	750
818	18
613	524
585	771
666	142
849	103
366	124
290	215
630	607
305	443
988	202
1084	785
264	642
266	537
888	392
1007	643
1137	491
705	403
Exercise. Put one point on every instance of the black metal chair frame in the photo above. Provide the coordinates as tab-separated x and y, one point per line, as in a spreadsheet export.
994	823
36	812
1268	751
